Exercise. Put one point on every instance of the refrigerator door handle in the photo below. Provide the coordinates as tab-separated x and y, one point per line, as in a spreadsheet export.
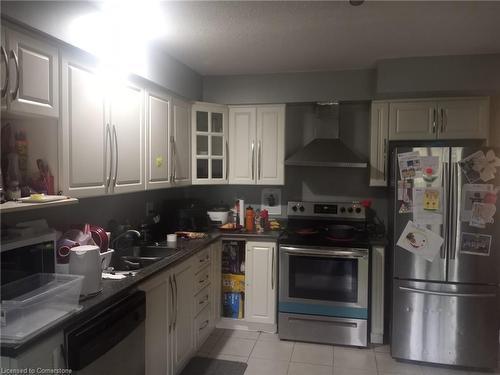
448	294
444	176
454	211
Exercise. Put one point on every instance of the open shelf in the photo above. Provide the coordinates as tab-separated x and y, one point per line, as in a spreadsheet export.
13	206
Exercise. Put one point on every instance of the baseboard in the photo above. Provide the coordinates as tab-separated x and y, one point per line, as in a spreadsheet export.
376	338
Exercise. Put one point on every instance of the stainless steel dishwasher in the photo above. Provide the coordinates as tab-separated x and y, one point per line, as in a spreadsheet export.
111	342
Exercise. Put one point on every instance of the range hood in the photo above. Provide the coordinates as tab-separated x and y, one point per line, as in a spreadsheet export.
326	149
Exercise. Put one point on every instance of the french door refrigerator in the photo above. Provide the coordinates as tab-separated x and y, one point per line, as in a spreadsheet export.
446	311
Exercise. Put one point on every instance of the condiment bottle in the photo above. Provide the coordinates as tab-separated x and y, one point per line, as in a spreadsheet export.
249	219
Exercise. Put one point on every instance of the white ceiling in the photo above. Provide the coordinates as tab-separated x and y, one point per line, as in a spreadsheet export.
218	38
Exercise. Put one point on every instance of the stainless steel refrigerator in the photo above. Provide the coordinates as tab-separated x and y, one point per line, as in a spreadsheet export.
446	311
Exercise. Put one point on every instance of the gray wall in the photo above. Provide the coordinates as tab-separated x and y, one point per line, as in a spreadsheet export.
54	18
289	87
420	76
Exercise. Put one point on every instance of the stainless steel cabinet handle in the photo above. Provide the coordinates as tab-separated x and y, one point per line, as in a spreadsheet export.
6	61
176	307
171	316
259	160
253	160
227	160
272	269
115	136
110	167
442	120
18	73
434	115
173	153
385	158
448	294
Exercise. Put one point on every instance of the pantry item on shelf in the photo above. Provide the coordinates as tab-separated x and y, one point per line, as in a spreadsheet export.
45	181
249	219
192	235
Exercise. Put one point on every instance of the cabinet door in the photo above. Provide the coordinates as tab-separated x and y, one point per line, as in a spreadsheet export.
181	150
378	143
242	145
210	147
158	142
183	333
85	139
412	120
157	343
4	70
216	281
271	145
260	282
36	90
464	118
127	120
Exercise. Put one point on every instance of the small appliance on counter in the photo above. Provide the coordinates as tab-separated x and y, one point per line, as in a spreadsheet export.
86	261
183	215
219	215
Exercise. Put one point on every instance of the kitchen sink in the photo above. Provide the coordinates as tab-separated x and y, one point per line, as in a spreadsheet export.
137	257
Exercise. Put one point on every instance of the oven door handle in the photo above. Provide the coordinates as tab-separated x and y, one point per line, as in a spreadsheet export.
323	254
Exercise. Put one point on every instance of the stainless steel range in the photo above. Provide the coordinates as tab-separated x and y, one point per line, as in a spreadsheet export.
323	274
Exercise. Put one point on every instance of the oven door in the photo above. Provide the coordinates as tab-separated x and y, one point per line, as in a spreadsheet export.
324	281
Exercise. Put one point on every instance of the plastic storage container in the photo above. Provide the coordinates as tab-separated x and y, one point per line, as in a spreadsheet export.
35	302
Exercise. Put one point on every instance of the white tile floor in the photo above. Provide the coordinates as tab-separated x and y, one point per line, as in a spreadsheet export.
265	354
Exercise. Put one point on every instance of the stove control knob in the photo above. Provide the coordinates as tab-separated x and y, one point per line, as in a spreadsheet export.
358	210
301	208
342	209
349	210
294	208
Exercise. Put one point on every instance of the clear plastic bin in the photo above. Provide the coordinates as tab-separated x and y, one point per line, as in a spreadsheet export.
35	302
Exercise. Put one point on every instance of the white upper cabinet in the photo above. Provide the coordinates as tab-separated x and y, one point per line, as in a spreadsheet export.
210	145
33	75
85	136
242	144
271	145
261	282
181	148
463	118
447	118
257	140
412	120
158	151
379	130
127	122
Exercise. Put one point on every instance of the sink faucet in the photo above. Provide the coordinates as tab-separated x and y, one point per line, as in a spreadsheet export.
121	235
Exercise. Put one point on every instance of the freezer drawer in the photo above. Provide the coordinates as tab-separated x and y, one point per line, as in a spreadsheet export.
445	323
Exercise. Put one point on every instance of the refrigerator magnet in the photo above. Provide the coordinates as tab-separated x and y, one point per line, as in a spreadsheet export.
420	241
430	168
475	193
475	244
410	165
482	214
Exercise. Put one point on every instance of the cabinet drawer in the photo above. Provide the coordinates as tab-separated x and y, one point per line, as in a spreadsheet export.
201	300
202	279
202	326
202	259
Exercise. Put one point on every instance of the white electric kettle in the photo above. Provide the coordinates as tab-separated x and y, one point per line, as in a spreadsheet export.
86	261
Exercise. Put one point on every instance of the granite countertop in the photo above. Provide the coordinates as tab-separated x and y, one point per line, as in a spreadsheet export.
115	289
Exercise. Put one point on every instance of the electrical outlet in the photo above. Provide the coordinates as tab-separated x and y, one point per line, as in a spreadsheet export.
150	208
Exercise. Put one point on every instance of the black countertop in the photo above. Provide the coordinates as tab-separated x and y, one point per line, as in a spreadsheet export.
115	289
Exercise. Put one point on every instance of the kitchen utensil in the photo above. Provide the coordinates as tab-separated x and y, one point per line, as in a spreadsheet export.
100	237
86	261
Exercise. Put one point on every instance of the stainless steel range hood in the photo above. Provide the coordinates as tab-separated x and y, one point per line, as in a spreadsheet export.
327	148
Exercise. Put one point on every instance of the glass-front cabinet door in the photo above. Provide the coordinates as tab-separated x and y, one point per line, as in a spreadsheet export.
210	148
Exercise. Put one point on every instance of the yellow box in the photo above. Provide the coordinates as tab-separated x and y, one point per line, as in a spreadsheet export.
233	283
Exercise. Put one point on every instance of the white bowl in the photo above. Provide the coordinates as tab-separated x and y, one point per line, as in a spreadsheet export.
218	216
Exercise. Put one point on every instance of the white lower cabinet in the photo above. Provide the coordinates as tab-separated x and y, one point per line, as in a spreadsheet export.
158	328
182	323
260	282
216	302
